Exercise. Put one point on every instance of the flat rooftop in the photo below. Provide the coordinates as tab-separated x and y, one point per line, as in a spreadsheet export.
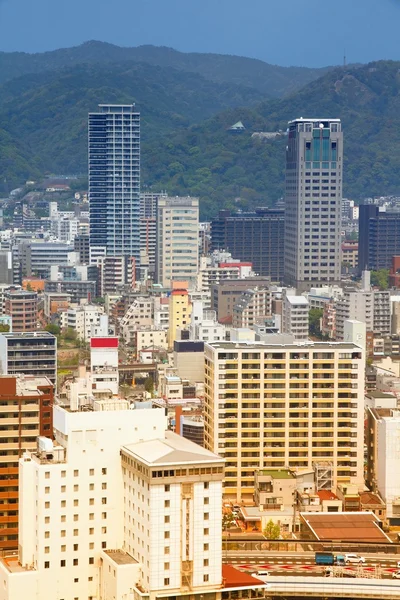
173	449
121	558
345	527
307	345
276	473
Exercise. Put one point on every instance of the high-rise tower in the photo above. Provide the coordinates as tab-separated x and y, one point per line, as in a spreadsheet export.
314	164
114	179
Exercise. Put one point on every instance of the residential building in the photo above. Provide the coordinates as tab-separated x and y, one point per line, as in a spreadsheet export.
313	198
256	237
97	544
22	307
114	179
179	310
221	266
227	293
104	364
55	303
204	325
26	412
295	315
379	237
388	456
149	338
177	252
115	272
192	428
284	406
138	316
33	354
76	289
6	267
274	488
189	360
84	319
350	254
253	307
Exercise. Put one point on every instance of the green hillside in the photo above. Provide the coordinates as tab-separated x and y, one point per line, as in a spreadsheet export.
46	114
44	123
270	80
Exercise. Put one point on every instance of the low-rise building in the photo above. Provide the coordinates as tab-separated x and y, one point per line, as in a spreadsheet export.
33	354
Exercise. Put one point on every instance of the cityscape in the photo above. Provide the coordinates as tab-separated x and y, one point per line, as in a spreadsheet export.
199	390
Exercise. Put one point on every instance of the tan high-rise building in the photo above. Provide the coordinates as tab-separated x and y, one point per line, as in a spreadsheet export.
177	248
22	307
289	406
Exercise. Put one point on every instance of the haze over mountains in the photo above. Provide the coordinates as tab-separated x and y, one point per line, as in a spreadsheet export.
187	102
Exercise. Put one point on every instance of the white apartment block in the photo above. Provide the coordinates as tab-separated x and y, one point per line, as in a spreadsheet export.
204	325
139	315
177	253
147	338
84	319
388	460
116	509
285	406
295	317
218	267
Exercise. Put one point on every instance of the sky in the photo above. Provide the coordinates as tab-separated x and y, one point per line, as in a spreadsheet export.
285	32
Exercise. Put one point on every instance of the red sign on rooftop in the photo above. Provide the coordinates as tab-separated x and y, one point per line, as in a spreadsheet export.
104	342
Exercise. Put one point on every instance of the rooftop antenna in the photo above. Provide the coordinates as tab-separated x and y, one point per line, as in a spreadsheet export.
344	58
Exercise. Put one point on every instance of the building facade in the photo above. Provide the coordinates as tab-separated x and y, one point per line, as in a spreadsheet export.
33	354
256	237
313	198
114	179
22	307
284	405
177	253
379	237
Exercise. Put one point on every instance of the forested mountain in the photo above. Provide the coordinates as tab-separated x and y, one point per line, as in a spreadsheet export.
268	79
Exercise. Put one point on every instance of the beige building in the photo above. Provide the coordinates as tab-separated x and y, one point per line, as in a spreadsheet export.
284	406
254	304
177	252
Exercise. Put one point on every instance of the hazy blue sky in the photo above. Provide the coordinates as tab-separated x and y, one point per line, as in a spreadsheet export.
301	32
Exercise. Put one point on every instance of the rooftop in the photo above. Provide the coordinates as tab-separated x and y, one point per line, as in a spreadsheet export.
233	578
120	557
307	345
378	394
276	473
171	450
345	527
297	300
327	495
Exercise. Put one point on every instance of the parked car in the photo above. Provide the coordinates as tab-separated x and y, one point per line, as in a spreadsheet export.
261	574
396	575
353	558
398	564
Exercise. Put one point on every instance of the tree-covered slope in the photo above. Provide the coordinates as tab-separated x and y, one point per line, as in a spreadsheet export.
268	79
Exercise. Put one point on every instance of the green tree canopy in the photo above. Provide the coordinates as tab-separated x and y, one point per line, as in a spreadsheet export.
272	531
314	318
380	278
54	329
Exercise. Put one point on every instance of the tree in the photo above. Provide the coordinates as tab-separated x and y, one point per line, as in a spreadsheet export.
54	329
227	521
314	318
149	385
99	300
380	278
4	328
272	531
70	335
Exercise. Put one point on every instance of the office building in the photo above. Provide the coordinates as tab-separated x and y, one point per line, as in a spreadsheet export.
114	179
117	503
388	456
115	272
313	196
6	267
256	237
379	237
180	309
286	405
26	412
76	289
350	254
82	246
177	253
33	354
37	257
22	307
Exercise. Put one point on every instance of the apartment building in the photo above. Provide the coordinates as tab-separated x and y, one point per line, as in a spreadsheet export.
253	305
25	412
22	307
177	252
295	319
180	310
289	405
228	292
33	354
84	319
140	314
88	500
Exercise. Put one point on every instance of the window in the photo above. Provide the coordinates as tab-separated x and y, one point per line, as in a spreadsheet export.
166	566
103	486
47	534
91	560
206	547
62	562
166	535
63	518
206	485
47	549
91	531
205	578
47	565
76	488
76	502
104	544
63	488
206	531
104	500
91	486
167	488
104	515
167	503
76	532
47	504
47	490
63	533
166	519
63	548
166	550
91	501
104	471
75	562
104	530
76	580
166	581
91	516
63	503
47	519
205	562
91	472
206	500
47	475
206	516
91	546
76	546
76	473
